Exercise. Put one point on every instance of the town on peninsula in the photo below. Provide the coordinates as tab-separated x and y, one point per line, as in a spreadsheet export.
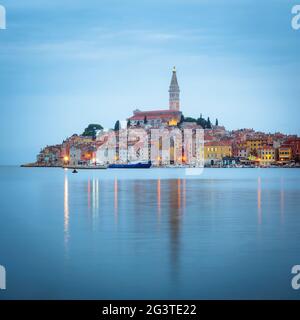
221	147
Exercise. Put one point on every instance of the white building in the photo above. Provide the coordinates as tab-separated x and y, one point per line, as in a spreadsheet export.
75	156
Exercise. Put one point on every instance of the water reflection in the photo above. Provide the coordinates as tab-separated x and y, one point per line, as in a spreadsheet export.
184	193
175	228
178	193
66	209
93	197
175	212
116	200
158	199
95	194
89	193
282	200
259	212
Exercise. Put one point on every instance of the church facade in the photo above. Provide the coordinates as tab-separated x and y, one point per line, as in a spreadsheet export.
159	118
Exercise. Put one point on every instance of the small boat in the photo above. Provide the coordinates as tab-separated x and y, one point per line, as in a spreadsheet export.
138	165
74	171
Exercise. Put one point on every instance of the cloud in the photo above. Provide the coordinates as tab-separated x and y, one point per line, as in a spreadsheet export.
99	43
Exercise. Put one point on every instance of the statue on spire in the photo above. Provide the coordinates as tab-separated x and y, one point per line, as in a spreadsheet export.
174	102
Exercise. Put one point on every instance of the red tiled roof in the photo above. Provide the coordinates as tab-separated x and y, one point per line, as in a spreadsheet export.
218	143
162	114
266	148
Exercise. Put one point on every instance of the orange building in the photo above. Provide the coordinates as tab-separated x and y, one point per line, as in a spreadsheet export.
285	153
254	144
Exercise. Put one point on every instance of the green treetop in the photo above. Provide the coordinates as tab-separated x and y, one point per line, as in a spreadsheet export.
91	130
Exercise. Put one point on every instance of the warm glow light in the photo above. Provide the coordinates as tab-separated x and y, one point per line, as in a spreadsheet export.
66	209
173	122
66	158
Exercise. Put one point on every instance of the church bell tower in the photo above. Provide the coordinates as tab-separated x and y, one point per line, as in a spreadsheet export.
174	101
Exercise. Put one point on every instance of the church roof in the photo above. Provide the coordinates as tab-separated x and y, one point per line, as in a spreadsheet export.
154	114
174	83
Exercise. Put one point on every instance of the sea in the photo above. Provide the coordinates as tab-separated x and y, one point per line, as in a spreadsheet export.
220	233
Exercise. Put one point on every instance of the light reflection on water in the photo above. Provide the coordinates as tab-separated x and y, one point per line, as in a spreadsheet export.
66	209
259	200
226	234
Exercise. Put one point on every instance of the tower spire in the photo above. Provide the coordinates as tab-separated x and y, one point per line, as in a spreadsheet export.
174	101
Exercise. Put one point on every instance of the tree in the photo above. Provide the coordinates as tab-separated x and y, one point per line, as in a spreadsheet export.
128	124
91	130
208	123
201	122
190	119
181	118
217	122
145	120
117	126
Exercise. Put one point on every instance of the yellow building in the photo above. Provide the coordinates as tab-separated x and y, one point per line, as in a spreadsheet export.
285	153
255	144
214	151
266	155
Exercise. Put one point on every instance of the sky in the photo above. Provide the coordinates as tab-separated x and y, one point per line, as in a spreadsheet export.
65	64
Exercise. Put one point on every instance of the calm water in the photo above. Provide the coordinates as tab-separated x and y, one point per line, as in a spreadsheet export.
113	234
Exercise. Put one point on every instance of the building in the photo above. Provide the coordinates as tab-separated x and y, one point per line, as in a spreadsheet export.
242	152
230	161
77	141
294	143
138	151
285	153
155	118
174	91
215	151
50	155
88	154
75	156
266	155
253	144
159	118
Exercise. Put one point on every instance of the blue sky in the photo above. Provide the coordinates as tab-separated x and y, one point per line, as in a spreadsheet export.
65	64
